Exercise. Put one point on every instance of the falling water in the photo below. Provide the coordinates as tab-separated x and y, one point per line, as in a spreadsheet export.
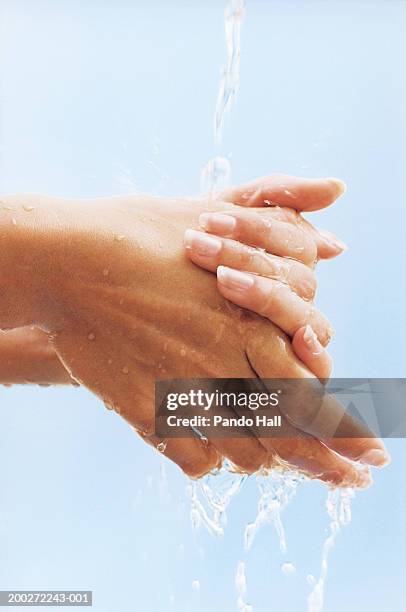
217	172
276	489
241	586
338	506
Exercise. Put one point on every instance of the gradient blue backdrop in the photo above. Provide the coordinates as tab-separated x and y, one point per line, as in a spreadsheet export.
100	97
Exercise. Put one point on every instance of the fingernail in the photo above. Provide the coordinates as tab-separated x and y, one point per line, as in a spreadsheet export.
333	241
311	341
201	243
341	186
218	223
378	458
234	279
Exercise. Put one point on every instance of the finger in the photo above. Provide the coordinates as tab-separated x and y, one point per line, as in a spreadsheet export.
328	244
209	252
273	300
320	415
311	352
315	460
262	231
195	457
302	194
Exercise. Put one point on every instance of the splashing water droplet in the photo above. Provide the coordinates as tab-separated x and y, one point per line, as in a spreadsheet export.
241	586
288	568
216	174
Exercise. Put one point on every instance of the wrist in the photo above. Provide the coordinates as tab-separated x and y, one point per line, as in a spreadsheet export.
24	260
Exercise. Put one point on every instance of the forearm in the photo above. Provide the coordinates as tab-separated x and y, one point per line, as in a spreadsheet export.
21	244
28	357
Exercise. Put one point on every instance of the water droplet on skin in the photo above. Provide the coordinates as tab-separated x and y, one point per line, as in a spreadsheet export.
182	352
91	337
110	361
161	447
204	440
119	238
14	221
28	208
105	272
125	370
121	302
109	406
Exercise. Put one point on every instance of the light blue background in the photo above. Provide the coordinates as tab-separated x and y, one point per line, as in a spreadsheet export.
100	97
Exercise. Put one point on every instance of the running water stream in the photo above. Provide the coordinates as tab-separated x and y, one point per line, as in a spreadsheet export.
217	172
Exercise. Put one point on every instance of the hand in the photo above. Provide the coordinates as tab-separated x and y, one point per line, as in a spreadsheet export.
269	276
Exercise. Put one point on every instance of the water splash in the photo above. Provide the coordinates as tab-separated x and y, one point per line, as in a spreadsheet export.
338	506
210	497
277	489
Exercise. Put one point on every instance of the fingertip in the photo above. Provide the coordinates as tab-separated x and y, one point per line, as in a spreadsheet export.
329	245
310	351
339	186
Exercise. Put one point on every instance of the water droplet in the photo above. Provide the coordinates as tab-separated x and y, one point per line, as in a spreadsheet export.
288	568
196	585
161	447
216	174
311	579
109	406
109	361
91	337
28	208
182	352
14	221
105	272
119	238
125	370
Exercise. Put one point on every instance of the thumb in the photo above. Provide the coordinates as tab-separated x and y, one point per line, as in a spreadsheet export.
302	194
